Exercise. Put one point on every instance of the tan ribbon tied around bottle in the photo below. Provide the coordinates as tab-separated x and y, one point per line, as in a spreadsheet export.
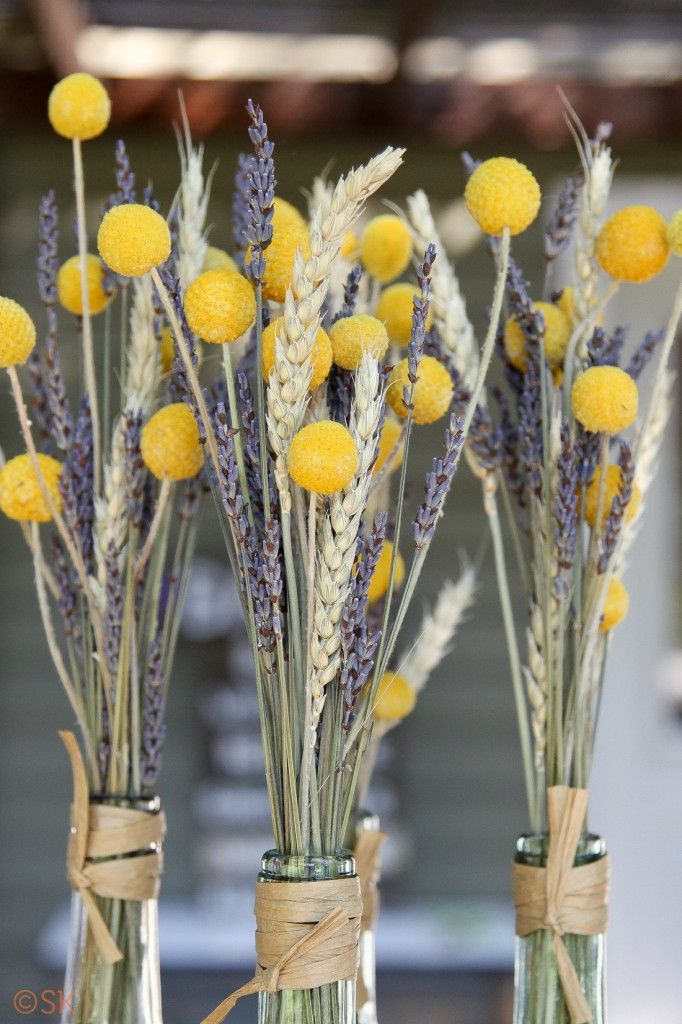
306	935
561	898
100	830
367	855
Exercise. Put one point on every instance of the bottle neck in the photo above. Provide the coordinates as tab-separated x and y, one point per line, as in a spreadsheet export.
285	867
533	848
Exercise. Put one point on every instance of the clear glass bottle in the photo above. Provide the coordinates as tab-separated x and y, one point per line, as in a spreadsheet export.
127	992
327	1004
538	997
366	999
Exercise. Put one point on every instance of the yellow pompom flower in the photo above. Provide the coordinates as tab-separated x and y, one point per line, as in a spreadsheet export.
386	247
321	357
388	440
79	107
220	306
289	233
21	497
352	336
378	585
132	239
432	392
675	233
395	310
170	444
633	244
322	457
616	606
350	246
557	334
605	398
395	698
611	488
218	259
69	285
502	193
17	333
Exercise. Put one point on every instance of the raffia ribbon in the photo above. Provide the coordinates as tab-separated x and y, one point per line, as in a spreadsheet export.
99	830
367	855
306	935
561	898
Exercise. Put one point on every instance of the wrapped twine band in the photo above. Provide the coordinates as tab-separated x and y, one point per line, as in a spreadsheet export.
561	898
104	831
367	855
307	935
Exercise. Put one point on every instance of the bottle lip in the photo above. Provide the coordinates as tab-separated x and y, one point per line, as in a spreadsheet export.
151	804
293	867
532	847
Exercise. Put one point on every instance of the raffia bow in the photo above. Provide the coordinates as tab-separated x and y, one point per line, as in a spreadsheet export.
561	898
99	830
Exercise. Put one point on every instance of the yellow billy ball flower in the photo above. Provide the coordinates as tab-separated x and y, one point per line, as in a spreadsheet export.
218	259
378	585
69	285
323	457
633	244
352	336
132	239
220	306
79	107
502	193
605	398
21	497
611	488
615	606
321	357
395	309
17	333
289	233
432	392
170	443
557	334
675	233
388	440
395	698
350	246
386	247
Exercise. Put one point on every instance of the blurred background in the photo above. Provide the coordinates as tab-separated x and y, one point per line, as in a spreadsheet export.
339	79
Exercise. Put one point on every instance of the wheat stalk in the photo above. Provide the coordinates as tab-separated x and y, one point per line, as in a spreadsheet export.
192	205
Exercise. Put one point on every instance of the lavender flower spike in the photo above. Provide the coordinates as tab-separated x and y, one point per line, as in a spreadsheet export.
438	483
60	421
614	523
560	226
262	184
153	725
420	311
565	511
241	213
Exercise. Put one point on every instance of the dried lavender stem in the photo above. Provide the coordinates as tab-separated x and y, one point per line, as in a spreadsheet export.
235	422
162	502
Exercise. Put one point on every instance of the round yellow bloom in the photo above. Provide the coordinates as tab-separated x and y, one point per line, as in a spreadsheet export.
378	585
17	333
132	239
616	606
289	233
395	698
79	107
352	336
605	398
218	259
502	193
323	457
557	334
611	488
390	435
395	310
69	285
633	244
432	392
170	443
386	247
675	233
20	495
321	358
220	306
167	350
350	246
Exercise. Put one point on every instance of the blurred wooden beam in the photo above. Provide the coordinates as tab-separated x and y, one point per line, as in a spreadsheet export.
58	24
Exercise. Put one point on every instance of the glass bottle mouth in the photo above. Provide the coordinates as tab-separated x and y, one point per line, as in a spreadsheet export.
151	804
290	867
532	849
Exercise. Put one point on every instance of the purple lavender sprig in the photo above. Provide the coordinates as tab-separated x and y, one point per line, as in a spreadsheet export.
76	484
125	178
61	422
598	348
420	312
153	709
113	615
134	467
644	354
67	587
178	385
559	229
272	573
509	450
532	323
262	184
485	440
241	212
351	291
438	483
587	449
39	398
565	512
614	523
252	462
530	428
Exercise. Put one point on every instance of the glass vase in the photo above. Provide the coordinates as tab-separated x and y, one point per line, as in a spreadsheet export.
366	1003
538	997
129	991
327	1004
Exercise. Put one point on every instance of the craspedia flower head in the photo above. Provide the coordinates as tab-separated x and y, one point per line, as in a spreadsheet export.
21	496
395	698
616	606
605	398
386	247
220	306
352	336
633	244
69	285
378	585
218	259
350	246
17	333
132	239
502	193
557	334
170	443
79	107
432	392
395	308
289	233
390	435
322	457
321	356
675	233
612	486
